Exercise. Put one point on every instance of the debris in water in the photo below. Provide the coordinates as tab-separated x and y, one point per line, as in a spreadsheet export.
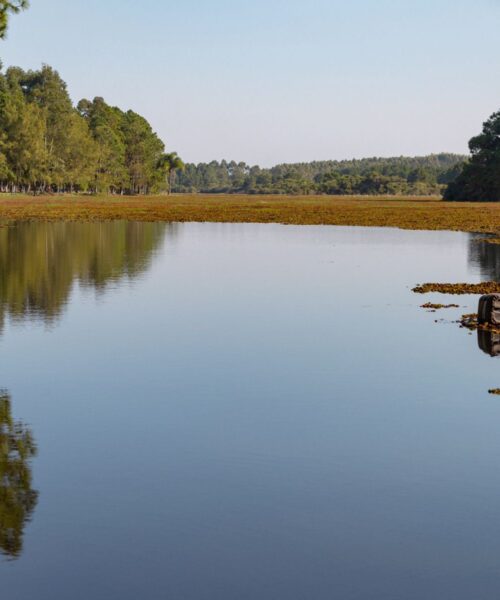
434	307
487	287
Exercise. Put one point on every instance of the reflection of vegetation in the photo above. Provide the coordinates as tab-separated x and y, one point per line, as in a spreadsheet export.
17	498
487	257
40	261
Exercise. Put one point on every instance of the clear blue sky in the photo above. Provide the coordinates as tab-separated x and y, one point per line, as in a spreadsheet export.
270	81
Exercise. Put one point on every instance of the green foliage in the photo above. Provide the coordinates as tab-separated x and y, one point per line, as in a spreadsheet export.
169	164
48	145
479	178
17	498
6	9
413	176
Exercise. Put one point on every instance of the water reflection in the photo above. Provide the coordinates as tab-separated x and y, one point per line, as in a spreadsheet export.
489	342
17	497
39	262
486	256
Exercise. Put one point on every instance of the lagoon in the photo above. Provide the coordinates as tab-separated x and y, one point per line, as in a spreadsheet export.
246	411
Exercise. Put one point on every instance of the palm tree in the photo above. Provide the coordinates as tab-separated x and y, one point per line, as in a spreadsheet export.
170	163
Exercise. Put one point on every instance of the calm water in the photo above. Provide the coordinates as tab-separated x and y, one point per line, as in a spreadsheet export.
244	412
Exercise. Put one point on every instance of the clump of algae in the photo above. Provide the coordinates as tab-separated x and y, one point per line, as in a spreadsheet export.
487	287
434	307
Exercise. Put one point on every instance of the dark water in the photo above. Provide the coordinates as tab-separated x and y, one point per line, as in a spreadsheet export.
207	411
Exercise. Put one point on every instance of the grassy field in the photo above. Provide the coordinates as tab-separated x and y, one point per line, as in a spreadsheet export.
405	213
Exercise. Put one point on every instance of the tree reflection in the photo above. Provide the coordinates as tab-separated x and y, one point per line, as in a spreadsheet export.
17	498
40	262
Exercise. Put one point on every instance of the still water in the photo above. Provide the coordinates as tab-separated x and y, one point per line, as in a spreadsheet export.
212	412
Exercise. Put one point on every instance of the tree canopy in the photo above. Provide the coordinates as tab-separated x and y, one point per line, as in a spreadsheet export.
49	145
398	175
479	179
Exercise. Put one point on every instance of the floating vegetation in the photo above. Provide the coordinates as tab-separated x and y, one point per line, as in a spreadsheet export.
495	391
433	307
417	212
487	287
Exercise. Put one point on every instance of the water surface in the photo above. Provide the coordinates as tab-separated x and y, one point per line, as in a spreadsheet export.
208	411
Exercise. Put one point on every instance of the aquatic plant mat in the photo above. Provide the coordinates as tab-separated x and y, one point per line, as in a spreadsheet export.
487	287
374	211
433	307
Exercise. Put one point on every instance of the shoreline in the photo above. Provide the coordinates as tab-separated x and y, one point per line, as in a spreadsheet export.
417	213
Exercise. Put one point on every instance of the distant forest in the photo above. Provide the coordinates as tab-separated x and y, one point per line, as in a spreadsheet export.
426	175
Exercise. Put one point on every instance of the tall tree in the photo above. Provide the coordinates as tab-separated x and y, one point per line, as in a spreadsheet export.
480	176
22	127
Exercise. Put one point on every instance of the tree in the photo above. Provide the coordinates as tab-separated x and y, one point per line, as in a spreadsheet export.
46	90
169	164
22	127
7	8
143	151
479	179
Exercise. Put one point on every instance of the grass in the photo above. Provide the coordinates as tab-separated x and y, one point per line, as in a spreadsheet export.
405	213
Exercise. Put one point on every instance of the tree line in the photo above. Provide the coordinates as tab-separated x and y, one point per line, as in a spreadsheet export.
425	175
49	145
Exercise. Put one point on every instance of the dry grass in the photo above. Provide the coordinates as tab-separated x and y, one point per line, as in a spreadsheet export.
405	213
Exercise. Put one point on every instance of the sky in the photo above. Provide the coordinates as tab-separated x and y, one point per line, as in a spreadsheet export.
272	81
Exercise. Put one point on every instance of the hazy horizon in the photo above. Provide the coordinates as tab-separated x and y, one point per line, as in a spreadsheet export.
281	83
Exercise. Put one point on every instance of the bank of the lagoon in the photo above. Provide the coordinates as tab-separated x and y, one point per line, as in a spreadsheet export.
426	213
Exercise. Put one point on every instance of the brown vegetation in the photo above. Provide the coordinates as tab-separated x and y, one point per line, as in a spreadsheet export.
433	307
487	287
405	213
